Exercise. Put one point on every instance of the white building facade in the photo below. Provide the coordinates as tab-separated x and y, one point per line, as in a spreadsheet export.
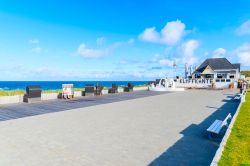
217	71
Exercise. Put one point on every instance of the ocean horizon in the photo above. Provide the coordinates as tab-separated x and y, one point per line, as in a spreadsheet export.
53	85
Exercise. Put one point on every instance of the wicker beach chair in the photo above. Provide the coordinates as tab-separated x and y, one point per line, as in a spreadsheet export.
113	89
67	91
129	88
89	90
98	90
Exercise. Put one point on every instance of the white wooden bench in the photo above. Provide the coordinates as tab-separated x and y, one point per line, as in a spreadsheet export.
239	96
216	127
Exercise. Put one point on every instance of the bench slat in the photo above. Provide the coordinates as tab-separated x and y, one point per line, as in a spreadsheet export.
218	128
215	127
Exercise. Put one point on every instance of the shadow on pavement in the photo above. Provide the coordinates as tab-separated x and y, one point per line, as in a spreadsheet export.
194	148
15	111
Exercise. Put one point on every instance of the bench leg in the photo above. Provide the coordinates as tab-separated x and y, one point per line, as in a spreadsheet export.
213	137
210	135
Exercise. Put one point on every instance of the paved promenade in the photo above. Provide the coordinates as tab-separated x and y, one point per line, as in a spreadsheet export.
153	129
15	111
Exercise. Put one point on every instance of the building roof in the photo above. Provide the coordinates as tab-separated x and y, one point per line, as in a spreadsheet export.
217	64
236	65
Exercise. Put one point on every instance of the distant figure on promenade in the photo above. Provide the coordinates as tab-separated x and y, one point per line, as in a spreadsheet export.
235	84
244	86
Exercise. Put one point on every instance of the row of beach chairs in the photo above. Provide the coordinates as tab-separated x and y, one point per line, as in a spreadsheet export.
33	92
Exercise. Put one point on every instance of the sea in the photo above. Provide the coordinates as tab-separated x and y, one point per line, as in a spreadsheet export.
53	85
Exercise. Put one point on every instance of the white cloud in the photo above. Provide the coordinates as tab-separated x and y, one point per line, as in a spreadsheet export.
122	43
34	41
243	54
123	62
128	61
24	72
86	52
244	29
168	50
39	50
219	53
171	34
158	59
166	62
150	35
100	41
186	52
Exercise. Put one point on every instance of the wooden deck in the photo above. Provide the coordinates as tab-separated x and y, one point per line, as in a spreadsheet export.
15	111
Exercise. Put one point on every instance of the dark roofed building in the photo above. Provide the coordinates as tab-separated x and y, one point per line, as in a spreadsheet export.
217	68
237	66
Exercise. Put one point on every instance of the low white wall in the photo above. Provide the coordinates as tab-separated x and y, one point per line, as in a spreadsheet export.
222	84
105	91
49	96
120	90
202	85
11	99
77	93
140	88
193	85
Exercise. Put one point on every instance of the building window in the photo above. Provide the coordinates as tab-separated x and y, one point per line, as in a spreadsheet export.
197	75
232	76
208	76
221	75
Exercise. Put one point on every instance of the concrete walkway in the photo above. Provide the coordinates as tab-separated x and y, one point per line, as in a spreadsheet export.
166	129
15	111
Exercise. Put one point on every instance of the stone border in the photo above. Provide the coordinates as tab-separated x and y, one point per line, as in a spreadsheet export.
219	151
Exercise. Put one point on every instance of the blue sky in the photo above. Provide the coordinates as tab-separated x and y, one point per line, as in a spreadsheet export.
118	40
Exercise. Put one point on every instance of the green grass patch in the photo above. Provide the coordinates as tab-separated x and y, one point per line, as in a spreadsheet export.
237	149
52	91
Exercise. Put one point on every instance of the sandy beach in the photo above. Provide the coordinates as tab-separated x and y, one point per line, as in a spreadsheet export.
165	129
